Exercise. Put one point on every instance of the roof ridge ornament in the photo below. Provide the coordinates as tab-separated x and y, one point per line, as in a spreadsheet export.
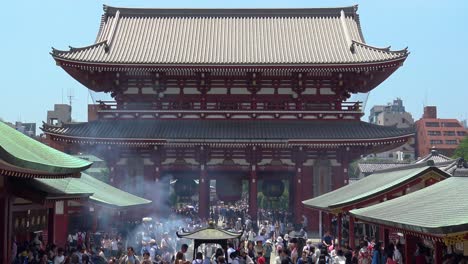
349	41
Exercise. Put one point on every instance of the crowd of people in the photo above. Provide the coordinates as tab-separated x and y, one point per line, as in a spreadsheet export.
272	239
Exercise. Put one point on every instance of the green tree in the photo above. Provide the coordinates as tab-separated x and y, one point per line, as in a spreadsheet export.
462	150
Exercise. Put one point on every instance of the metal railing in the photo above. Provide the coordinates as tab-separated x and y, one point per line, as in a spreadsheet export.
229	106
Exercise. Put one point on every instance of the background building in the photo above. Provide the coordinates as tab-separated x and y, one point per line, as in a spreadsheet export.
28	129
393	114
443	134
61	114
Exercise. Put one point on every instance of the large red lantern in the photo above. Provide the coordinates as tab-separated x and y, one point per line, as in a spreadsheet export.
272	188
185	188
229	189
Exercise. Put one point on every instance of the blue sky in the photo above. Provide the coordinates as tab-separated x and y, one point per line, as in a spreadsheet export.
435	73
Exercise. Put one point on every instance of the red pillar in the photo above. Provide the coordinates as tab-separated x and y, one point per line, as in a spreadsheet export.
438	252
5	231
112	164
410	247
95	219
61	228
253	191
50	225
344	169
298	197
157	174
381	234
340	229
386	239
327	223
352	240
204	194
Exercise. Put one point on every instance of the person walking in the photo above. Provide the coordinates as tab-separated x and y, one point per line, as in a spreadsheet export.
267	249
130	258
377	253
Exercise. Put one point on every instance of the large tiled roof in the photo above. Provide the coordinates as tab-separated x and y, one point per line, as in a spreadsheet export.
370	186
438	209
20	151
99	191
230	37
238	130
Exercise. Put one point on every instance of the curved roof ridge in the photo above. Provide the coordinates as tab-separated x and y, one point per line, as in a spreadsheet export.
386	49
64	124
318	11
57	52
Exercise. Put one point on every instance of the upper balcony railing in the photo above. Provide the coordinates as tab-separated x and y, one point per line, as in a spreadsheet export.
233	110
232	106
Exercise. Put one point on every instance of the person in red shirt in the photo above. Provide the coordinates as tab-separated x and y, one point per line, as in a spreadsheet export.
261	258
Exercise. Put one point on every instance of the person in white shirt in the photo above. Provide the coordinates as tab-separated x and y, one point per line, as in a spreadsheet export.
272	231
305	221
60	258
251	235
114	247
308	245
230	251
198	259
339	258
101	254
165	240
397	257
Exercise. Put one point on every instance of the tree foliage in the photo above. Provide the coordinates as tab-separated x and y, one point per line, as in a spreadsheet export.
462	150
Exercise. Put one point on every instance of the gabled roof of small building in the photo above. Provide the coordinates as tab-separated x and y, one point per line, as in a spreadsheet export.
304	36
279	131
20	153
370	167
99	191
371	186
439	209
435	156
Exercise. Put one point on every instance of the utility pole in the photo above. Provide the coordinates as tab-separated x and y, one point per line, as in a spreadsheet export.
70	97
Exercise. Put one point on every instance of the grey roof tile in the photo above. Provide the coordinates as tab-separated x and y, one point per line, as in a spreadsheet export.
228	130
230	36
435	156
372	167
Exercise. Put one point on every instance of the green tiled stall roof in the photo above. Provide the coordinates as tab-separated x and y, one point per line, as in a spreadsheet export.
228	130
441	209
22	151
101	191
369	187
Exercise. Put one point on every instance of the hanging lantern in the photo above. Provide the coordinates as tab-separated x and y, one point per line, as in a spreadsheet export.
229	189
273	188
185	188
